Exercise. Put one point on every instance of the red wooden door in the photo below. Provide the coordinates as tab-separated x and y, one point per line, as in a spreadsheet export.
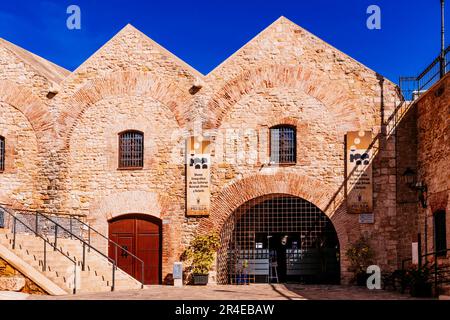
142	237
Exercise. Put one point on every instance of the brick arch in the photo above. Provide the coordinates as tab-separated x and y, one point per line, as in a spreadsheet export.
289	121
233	196
328	92
30	106
131	83
128	202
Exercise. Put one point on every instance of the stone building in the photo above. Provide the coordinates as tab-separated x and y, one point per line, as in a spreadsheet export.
107	143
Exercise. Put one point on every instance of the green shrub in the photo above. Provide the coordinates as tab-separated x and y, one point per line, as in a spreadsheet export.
200	253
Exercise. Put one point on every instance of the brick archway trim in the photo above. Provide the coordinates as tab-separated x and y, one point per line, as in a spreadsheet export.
241	191
30	106
139	202
329	92
131	83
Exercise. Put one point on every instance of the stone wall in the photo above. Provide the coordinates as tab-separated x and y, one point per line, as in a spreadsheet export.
433	156
406	197
324	93
13	280
27	124
283	76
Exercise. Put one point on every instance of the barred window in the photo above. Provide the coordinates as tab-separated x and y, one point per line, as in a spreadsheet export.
440	236
2	154
283	144
131	150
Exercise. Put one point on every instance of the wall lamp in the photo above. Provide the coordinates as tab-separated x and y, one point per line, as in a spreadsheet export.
410	179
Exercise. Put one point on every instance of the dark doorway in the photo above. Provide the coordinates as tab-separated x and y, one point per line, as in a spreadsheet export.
279	238
140	235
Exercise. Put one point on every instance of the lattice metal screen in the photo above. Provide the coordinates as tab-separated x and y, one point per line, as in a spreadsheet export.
283	144
131	150
278	238
2	154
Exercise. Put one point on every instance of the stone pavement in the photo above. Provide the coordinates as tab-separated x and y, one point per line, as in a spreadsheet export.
249	292
11	295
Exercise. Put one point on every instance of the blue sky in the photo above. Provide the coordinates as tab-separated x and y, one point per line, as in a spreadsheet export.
205	32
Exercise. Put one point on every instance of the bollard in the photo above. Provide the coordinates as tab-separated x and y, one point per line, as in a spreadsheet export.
178	274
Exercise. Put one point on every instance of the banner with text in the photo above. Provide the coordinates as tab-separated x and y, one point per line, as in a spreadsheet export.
198	163
359	172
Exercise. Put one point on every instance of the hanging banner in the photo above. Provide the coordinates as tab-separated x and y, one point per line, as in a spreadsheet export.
198	162
359	172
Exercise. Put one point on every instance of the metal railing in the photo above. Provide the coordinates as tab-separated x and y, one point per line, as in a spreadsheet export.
437	271
85	244
413	87
59	230
46	242
115	245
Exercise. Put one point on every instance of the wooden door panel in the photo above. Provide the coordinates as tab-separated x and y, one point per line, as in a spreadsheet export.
125	261
144	226
142	238
122	226
148	250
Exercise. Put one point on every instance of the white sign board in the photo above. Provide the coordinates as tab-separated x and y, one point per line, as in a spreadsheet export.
197	176
366	218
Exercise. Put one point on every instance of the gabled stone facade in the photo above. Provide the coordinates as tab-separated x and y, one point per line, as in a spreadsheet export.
62	151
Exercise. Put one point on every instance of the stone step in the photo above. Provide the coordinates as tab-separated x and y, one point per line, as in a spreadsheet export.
97	276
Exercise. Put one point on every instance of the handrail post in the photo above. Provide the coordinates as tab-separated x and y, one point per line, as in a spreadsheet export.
14	232
442	55
89	238
115	254
113	277
56	236
44	265
436	273
37	222
84	256
75	278
419	247
71	232
142	276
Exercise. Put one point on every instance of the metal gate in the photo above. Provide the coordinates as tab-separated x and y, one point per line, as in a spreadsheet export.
278	238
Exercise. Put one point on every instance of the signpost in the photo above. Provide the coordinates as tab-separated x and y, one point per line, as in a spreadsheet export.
178	274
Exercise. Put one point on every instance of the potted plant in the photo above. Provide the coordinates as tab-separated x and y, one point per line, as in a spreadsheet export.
420	281
200	256
360	255
242	277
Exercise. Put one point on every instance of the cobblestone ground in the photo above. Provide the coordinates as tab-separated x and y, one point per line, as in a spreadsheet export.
252	292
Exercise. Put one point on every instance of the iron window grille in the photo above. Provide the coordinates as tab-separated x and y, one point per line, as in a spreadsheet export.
283	145
2	154
440	236
310	254
131	150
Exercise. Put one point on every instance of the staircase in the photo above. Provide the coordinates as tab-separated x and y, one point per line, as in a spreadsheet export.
97	276
63	264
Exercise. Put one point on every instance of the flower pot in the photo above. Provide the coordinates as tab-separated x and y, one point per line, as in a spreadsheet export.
421	289
200	279
361	279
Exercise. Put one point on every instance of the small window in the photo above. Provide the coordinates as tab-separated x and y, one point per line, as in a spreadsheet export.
131	150
283	145
2	154
440	236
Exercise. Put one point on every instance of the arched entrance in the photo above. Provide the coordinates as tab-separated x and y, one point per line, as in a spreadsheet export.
278	238
141	235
